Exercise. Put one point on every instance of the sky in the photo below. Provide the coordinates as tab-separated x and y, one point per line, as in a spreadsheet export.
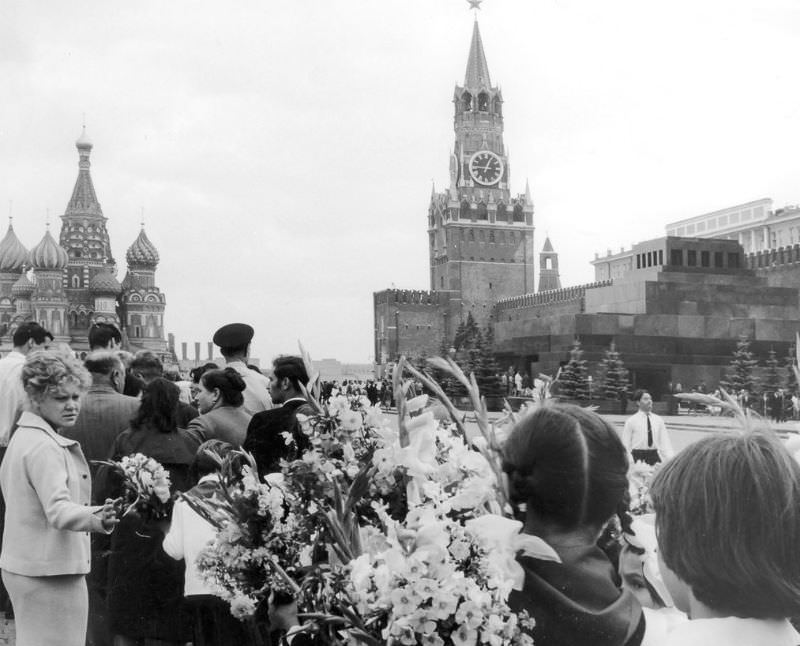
282	153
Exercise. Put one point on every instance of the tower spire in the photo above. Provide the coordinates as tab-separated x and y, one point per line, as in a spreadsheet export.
477	75
84	199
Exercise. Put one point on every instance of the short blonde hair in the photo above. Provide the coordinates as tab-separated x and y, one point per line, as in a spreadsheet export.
47	370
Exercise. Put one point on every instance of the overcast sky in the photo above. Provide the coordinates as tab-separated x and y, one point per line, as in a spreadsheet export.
283	152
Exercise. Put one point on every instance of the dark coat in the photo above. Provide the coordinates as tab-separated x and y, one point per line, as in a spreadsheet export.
145	586
105	413
577	602
264	439
226	423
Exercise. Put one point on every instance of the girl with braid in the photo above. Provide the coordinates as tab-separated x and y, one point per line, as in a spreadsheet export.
567	471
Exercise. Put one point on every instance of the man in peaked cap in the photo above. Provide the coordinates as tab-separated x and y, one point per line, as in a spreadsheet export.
234	344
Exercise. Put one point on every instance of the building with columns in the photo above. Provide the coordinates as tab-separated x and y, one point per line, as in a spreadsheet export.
480	234
69	285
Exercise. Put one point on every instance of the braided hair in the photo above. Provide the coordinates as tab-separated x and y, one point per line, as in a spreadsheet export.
568	465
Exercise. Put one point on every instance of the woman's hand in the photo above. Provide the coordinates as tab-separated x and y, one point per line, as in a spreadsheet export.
108	514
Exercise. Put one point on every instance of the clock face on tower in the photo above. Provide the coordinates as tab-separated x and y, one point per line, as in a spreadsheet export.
486	167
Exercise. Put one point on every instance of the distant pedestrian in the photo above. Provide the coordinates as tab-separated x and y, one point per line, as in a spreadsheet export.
645	434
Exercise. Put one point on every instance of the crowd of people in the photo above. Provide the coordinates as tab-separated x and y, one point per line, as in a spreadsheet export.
719	565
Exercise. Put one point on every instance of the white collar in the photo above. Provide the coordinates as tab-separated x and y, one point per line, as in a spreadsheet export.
734	630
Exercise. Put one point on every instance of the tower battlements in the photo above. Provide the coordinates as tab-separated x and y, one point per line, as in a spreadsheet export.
413	297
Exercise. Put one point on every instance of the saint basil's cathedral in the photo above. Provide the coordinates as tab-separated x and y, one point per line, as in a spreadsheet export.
69	285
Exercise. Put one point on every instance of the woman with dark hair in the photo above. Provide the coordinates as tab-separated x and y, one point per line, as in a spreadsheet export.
567	472
220	401
145	596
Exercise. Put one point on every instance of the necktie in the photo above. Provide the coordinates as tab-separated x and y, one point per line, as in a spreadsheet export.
649	434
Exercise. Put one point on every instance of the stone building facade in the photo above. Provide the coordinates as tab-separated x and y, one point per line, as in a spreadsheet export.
69	285
754	225
674	317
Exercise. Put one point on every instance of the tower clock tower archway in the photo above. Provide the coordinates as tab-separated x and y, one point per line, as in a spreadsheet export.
480	235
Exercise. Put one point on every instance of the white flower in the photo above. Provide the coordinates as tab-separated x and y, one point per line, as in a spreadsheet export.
350	420
242	607
501	539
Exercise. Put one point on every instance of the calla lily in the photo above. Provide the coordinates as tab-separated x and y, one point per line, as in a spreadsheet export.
419	457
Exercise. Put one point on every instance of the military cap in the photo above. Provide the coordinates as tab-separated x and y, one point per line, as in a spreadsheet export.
233	335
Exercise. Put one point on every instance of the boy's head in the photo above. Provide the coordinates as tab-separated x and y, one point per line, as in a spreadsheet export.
728	525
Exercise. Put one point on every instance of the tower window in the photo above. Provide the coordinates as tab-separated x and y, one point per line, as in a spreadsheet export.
491	236
498	106
482	212
472	235
76	281
483	102
519	216
466	101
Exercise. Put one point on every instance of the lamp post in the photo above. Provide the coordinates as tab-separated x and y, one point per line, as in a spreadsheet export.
397	335
589	380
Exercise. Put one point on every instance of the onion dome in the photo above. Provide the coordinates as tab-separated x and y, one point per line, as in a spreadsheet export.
142	253
48	255
12	254
23	288
83	143
104	283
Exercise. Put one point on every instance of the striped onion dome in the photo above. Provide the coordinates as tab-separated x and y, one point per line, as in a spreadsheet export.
142	253
48	255
13	255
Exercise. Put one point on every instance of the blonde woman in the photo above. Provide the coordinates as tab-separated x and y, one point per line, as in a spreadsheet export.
46	484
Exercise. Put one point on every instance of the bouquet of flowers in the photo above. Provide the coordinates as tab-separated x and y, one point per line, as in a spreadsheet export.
381	533
258	547
640	476
145	486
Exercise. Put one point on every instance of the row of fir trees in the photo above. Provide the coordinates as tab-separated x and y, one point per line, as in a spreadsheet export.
474	353
612	377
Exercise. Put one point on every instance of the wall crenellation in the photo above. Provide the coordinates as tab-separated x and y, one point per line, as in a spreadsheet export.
412	297
552	296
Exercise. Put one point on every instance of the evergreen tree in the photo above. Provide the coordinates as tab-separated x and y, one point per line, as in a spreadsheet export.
790	379
740	371
465	334
573	382
613	380
772	376
487	370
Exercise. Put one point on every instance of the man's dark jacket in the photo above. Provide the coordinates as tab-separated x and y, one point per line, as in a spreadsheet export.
265	440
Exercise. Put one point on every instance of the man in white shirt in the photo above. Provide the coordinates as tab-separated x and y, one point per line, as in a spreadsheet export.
645	435
27	337
234	344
